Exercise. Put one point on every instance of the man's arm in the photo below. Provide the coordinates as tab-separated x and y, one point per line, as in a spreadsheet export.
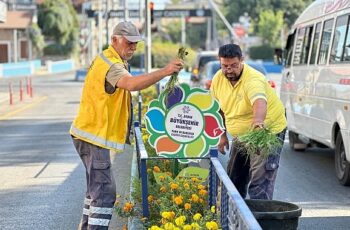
223	143
143	81
259	113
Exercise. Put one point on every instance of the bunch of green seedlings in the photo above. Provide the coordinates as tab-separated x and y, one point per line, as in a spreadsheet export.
259	141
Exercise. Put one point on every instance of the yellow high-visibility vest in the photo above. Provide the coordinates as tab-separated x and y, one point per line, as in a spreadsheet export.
103	118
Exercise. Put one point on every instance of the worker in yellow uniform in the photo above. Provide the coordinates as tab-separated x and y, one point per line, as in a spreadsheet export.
104	119
247	102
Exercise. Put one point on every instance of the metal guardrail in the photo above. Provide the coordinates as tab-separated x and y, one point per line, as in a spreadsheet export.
235	214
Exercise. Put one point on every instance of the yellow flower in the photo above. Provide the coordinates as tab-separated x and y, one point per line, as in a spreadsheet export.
186	186
169	226
180	220
155	228
194	179
212	225
195	198
200	187
168	215
169	173
202	192
156	169
150	198
174	186
162	189
197	216
187	206
161	178
178	200
187	227
212	209
195	226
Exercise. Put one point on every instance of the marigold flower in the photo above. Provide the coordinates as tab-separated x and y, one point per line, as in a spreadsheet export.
194	179
187	227
161	178
169	174
168	215
195	198
202	192
174	186
212	225
187	206
128	207
180	221
178	200
212	209
169	226
200	187
186	186
195	226
162	189
156	169
154	228
150	198
197	216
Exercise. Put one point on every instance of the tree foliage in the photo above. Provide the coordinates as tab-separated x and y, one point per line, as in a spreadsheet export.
58	21
270	25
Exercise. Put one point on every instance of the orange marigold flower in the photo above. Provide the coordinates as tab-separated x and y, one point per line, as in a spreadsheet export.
174	186
128	207
194	179
178	200
161	178
187	206
156	169
200	187
202	192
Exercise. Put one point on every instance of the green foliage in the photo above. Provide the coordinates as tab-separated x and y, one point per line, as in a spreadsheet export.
270	25
264	52
259	141
37	38
58	21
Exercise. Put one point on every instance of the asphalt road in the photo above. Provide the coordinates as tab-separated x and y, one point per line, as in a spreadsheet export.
42	178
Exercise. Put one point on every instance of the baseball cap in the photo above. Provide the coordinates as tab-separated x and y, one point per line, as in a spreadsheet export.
127	30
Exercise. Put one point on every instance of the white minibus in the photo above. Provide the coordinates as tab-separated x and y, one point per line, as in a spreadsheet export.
315	85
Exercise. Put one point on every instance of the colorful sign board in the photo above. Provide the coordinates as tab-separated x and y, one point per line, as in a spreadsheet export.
184	124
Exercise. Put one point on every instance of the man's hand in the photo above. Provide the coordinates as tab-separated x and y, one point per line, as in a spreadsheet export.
223	144
174	66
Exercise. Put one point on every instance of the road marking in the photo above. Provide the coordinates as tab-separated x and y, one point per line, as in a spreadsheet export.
23	108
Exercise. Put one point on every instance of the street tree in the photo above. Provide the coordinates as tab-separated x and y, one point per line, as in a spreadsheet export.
58	22
270	26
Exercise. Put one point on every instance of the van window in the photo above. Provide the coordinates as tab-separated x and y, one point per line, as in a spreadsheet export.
289	49
325	42
306	45
340	32
315	43
298	46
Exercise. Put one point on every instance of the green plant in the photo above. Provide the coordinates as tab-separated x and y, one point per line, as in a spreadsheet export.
259	141
170	86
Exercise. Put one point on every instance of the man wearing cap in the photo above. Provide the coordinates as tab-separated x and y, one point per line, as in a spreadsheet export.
247	102
104	119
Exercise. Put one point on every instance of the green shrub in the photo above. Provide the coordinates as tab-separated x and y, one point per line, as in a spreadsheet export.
261	52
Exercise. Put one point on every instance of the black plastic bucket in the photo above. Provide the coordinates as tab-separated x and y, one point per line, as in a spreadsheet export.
274	214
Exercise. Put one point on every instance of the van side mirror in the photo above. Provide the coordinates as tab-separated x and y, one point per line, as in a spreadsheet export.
278	57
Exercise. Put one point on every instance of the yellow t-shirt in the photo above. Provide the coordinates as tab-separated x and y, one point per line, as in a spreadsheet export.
237	101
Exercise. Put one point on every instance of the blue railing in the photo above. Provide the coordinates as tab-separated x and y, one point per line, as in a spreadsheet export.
23	68
235	214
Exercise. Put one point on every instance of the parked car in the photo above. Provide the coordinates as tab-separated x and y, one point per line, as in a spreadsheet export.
202	58
212	67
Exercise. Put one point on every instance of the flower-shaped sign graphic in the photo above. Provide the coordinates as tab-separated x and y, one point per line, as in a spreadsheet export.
184	124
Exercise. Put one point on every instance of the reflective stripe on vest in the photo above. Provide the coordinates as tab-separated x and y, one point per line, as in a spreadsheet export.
95	139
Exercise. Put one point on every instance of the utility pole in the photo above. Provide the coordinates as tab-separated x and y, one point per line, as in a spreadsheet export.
107	20
148	56
126	14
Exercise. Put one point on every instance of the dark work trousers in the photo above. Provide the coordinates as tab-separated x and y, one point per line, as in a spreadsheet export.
101	190
255	171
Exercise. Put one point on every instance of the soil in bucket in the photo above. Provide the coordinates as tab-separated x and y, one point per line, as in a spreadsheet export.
274	214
